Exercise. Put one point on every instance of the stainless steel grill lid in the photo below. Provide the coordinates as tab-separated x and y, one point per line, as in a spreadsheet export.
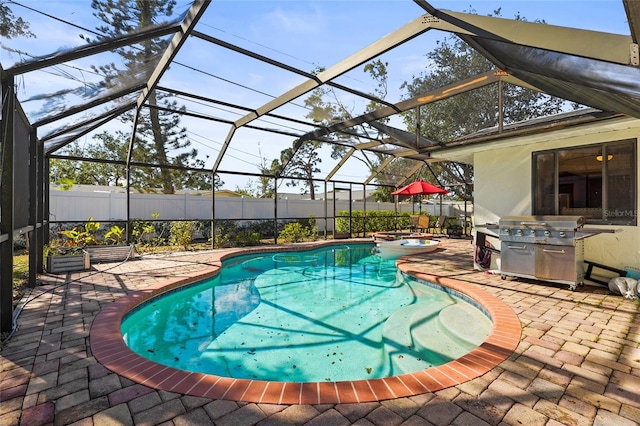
542	222
556	230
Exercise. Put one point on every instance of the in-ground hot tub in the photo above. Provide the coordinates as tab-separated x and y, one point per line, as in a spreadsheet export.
392	236
409	246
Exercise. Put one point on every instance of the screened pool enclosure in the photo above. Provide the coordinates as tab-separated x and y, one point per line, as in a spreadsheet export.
198	69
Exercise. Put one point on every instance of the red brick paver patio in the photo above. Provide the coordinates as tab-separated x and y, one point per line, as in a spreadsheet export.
577	361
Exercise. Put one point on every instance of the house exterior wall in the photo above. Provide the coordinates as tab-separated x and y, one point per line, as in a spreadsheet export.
503	185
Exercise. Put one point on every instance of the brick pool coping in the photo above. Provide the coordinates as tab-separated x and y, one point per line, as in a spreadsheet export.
108	347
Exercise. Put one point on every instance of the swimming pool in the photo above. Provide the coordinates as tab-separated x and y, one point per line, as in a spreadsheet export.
329	314
109	349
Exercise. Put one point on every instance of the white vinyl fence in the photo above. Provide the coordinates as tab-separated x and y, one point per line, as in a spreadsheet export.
104	206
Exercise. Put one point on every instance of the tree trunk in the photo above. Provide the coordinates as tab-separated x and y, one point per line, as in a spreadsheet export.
154	116
158	140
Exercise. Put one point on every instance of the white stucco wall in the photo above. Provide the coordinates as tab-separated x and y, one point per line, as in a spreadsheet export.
503	184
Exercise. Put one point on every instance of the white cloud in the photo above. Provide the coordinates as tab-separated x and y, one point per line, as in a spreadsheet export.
256	78
297	22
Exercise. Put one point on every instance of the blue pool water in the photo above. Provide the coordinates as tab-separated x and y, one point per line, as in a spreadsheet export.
329	314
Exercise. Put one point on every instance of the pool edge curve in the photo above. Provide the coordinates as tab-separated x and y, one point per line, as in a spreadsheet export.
109	348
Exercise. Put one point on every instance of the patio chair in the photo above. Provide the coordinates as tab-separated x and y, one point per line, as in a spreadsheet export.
423	223
415	221
438	227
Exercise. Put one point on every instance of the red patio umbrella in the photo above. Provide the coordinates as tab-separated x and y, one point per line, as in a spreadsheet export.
419	187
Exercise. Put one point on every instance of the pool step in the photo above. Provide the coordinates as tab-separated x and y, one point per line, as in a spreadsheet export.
432	333
459	328
418	289
403	351
456	320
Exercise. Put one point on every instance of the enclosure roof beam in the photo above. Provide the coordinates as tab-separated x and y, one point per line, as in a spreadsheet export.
186	27
456	88
531	127
340	164
224	121
124	163
394	39
230	105
417	157
92	104
585	43
401	152
91	49
506	77
367	145
251	54
632	9
386	43
97	122
404	138
281	65
410	173
379	169
111	113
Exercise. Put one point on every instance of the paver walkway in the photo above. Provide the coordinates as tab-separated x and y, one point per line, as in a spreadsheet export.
578	361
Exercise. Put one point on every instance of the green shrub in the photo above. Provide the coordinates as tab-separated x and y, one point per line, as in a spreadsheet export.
81	236
295	232
182	233
374	221
229	234
265	228
144	232
115	234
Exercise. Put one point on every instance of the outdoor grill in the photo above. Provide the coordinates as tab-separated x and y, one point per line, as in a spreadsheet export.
549	248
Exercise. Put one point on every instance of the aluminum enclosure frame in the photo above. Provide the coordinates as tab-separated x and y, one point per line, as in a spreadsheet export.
497	39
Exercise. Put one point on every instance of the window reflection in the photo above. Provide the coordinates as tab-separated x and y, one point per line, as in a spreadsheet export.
596	181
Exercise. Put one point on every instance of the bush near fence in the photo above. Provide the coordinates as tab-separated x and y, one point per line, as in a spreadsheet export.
381	221
374	221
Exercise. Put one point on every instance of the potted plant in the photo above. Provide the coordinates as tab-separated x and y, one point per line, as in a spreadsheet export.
81	248
69	254
65	258
113	250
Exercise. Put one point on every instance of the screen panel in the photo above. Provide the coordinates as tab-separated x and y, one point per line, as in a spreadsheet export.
21	164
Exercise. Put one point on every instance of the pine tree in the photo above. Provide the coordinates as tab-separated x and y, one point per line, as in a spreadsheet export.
158	132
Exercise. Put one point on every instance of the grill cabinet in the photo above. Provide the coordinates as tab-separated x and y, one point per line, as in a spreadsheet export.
548	248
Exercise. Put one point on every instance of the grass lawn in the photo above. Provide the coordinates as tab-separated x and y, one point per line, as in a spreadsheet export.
20	276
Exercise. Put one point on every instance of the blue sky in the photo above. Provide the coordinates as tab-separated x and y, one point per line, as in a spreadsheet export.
302	34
